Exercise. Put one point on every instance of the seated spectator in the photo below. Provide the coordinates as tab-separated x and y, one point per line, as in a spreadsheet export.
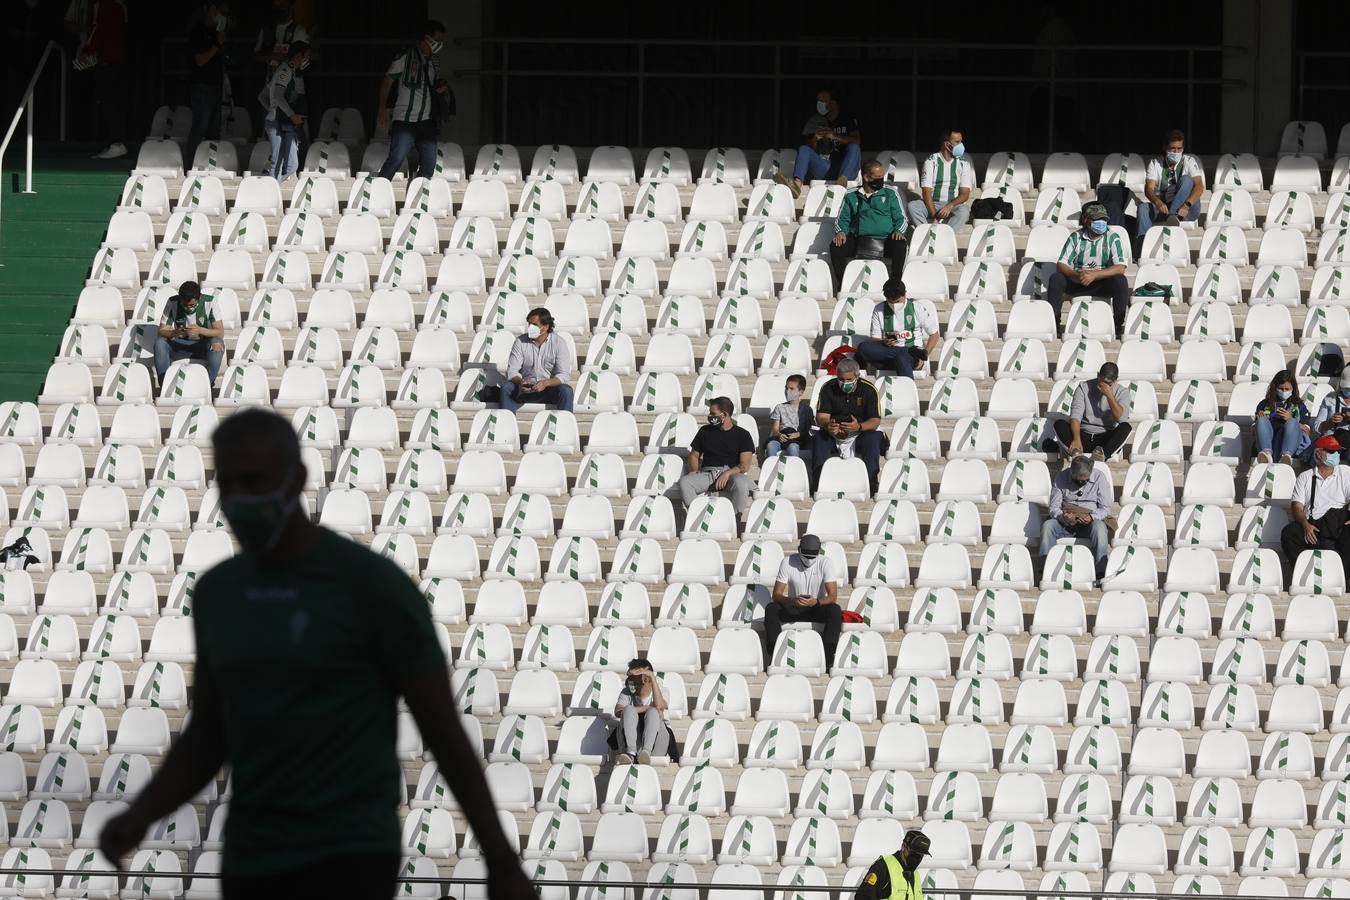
641	711
1282	422
1080	501
871	225
283	104
788	419
1333	416
832	149
903	332
1318	507
539	366
720	458
806	590
189	330
1096	422
1093	263
1173	184
848	422
946	182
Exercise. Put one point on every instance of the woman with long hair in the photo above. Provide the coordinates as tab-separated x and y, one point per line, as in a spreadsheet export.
1282	421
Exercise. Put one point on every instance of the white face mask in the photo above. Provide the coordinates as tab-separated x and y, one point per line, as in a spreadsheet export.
434	45
822	107
532	331
221	22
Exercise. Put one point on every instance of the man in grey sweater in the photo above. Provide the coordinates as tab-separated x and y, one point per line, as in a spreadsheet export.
1096	422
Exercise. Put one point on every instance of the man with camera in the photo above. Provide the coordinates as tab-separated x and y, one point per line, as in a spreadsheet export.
189	330
1080	501
641	712
1318	507
871	225
903	333
896	875
832	149
410	93
806	590
848	416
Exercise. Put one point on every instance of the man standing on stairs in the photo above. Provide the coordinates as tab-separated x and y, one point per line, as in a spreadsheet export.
896	875
104	55
305	643
408	102
206	73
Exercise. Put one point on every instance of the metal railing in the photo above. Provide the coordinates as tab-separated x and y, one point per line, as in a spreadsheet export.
1042	66
26	107
660	890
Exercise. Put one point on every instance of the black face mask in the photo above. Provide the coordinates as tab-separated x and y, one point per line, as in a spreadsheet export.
875	185
1081	484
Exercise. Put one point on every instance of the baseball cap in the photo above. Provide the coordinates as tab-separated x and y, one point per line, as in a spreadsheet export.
810	545
1328	442
1095	211
916	842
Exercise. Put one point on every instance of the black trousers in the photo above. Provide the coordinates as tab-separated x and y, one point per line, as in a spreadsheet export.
108	84
830	615
1292	544
359	876
1116	287
840	257
1109	441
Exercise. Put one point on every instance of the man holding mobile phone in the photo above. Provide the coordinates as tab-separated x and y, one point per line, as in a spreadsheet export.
1080	501
903	332
806	590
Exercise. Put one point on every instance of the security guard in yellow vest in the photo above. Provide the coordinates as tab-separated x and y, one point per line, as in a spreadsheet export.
896	875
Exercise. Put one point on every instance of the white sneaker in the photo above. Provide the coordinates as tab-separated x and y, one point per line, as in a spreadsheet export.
1263	457
644	758
623	759
1286	459
112	151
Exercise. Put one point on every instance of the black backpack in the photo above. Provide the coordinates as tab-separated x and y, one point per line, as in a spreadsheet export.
1115	197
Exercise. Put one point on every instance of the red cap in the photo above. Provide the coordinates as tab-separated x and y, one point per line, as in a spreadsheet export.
1328	442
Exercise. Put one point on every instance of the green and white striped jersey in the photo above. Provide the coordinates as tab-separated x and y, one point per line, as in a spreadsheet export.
414	75
946	177
1084	250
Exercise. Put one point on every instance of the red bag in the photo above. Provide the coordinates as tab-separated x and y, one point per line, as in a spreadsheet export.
849	615
838	354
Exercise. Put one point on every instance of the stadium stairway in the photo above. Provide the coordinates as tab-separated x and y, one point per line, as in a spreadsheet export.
46	241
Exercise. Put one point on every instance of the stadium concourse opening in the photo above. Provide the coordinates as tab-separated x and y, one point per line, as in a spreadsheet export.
716	455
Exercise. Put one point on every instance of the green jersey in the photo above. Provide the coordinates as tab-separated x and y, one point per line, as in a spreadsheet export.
1084	252
176	314
305	662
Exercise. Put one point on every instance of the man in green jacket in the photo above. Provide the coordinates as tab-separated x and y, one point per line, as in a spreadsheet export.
871	225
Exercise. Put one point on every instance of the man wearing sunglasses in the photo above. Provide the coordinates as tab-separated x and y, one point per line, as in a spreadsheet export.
896	875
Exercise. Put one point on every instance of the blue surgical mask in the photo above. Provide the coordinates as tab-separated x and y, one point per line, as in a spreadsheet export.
1284	395
822	107
1098	226
1345	392
958	150
1333	460
1173	157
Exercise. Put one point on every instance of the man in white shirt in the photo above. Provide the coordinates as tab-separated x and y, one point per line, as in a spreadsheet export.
806	590
1173	184
903	332
539	367
946	181
1318	507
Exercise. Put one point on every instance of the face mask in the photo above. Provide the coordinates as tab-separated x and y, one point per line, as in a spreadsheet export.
1082	483
1173	157
808	559
848	387
435	45
221	22
1098	226
1333	460
875	184
822	107
715	421
258	519
958	150
303	65
532	331
1284	395
792	396
1345	392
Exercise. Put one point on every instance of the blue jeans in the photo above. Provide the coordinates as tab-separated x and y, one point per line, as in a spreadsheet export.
402	137
207	351
1278	438
811	166
1095	535
880	356
775	447
281	134
559	396
1145	211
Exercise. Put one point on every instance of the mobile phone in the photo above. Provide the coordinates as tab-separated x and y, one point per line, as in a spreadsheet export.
892	335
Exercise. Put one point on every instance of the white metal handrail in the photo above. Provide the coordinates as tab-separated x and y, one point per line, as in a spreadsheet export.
26	106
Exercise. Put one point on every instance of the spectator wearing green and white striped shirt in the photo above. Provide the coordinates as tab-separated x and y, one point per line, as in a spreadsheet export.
946	181
1092	263
407	103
